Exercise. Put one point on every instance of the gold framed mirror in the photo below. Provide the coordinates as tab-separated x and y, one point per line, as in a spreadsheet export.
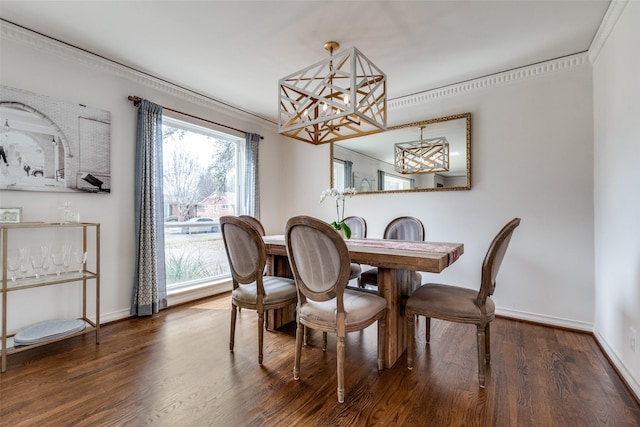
437	150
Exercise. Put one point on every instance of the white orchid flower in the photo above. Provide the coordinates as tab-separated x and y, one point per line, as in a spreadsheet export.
339	196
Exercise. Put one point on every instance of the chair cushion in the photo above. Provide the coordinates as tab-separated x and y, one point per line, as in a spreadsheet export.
276	290
449	303
359	307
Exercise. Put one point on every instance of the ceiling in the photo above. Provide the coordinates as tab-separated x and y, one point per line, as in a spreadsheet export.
236	51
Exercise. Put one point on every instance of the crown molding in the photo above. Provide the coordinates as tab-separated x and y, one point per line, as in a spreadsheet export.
10	31
523	73
606	27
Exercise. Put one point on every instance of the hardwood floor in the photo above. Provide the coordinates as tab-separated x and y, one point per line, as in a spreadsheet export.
175	369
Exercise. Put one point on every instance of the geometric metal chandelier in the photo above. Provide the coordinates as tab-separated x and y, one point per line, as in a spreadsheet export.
341	97
424	156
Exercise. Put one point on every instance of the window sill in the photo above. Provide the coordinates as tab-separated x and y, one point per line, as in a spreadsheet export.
190	293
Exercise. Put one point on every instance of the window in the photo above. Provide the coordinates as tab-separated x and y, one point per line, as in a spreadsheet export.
393	182
338	173
202	182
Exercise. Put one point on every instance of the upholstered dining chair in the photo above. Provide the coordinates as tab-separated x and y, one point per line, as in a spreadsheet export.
462	305
401	228
358	227
319	260
255	222
251	289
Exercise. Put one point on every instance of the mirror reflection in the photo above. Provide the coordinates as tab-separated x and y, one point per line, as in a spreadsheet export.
430	155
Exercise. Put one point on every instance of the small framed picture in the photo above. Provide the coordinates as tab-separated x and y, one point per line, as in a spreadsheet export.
10	215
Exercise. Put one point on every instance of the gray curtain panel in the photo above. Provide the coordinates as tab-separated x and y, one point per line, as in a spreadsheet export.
252	191
380	180
150	285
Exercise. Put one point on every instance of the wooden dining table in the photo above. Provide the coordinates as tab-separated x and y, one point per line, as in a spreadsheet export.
394	258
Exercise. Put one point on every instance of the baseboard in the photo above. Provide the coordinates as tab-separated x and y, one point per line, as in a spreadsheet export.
177	297
546	320
632	384
619	366
114	316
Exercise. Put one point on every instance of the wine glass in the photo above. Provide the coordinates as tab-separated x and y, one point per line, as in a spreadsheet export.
46	258
36	263
57	258
80	258
66	257
24	261
13	265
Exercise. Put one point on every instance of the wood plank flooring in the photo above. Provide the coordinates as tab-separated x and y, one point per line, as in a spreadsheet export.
175	369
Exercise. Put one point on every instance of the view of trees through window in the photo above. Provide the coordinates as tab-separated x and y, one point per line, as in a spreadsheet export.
201	184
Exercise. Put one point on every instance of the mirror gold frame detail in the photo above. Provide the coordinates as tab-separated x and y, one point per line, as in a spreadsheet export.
360	146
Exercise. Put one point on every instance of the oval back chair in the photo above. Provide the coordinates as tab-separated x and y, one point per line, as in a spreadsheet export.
462	305
255	222
320	262
251	289
358	227
401	228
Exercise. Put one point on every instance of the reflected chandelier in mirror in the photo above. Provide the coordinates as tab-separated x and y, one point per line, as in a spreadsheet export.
371	164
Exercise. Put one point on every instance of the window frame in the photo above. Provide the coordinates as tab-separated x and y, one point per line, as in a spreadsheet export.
239	186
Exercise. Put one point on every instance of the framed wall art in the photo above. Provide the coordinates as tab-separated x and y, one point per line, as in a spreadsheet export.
47	144
10	215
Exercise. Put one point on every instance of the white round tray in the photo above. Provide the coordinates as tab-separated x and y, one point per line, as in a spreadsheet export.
48	330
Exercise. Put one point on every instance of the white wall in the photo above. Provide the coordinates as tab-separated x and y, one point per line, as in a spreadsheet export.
31	63
616	85
531	158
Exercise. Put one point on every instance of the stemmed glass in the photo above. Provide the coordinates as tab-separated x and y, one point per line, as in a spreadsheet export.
57	260
13	265
46	258
37	261
24	259
80	258
60	259
66	257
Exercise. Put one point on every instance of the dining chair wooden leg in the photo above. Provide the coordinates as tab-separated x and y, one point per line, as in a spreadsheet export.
382	343
305	336
300	332
487	343
427	333
324	341
411	338
260	335
233	327
340	367
481	355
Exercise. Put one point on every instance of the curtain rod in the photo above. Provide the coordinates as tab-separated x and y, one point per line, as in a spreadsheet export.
136	101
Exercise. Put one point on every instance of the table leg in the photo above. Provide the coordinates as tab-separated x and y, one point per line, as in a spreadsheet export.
279	266
389	289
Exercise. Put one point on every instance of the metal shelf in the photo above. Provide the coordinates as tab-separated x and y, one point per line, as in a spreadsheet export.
30	282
